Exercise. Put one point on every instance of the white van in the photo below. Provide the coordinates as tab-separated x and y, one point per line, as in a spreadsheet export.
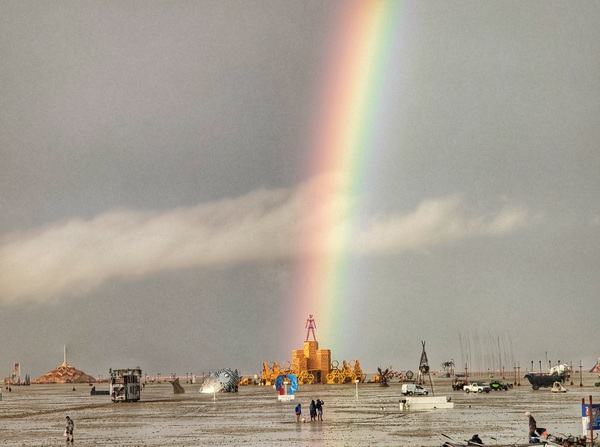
411	388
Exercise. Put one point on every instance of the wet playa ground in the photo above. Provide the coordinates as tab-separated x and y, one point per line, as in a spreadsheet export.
35	416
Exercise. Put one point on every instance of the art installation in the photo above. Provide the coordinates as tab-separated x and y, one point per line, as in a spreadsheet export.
177	388
286	385
310	327
383	376
313	365
223	381
65	373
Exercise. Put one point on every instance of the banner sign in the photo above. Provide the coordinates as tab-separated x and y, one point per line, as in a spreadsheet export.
585	416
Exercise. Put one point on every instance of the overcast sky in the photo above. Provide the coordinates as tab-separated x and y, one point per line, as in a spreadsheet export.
154	181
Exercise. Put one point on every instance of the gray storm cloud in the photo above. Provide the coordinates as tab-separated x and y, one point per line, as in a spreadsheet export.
73	257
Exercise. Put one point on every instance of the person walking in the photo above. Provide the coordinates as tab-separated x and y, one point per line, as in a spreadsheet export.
69	429
298	412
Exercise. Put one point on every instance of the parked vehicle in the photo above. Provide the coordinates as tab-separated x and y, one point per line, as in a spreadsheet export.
477	387
408	389
498	385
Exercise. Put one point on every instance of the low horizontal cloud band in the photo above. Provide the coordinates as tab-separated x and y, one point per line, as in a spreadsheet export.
76	256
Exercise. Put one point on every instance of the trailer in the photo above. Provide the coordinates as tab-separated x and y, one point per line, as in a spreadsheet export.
125	384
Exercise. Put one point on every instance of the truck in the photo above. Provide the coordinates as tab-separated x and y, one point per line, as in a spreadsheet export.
408	389
477	387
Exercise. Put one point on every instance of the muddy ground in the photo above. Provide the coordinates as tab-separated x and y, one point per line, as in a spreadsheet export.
34	416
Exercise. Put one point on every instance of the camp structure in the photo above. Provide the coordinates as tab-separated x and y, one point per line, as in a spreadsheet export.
596	368
15	378
65	373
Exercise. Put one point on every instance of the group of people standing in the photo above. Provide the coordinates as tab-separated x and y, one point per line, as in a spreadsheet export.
315	408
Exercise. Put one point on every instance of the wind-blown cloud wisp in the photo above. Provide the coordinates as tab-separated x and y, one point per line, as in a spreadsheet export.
76	256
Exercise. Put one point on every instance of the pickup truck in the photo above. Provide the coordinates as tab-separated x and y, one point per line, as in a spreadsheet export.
477	387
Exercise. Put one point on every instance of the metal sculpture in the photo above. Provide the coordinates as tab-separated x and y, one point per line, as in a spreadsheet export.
177	388
383	376
448	367
223	381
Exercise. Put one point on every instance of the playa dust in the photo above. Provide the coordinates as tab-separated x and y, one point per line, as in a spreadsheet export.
35	416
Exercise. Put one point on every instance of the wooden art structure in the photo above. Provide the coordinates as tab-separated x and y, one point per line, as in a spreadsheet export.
313	365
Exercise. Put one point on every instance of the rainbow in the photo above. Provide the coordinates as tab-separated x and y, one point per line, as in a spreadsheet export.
351	99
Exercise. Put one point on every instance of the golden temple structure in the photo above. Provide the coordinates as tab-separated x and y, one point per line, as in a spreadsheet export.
313	365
